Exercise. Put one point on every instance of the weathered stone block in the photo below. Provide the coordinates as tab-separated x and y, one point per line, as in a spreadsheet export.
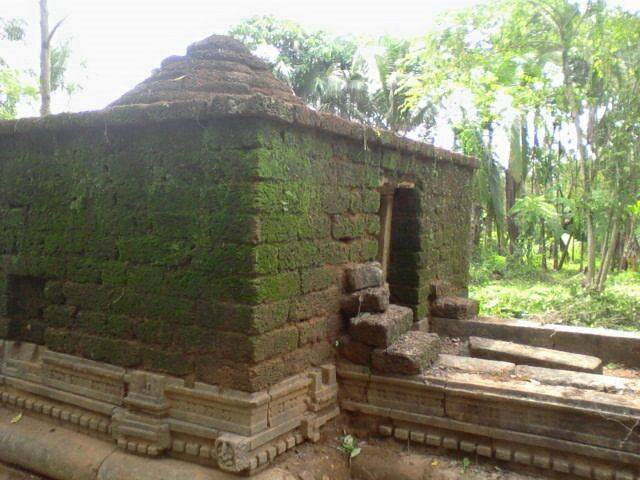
364	276
535	356
408	355
454	307
369	300
354	351
381	329
440	288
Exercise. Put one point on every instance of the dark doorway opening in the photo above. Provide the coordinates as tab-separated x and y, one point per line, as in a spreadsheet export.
399	241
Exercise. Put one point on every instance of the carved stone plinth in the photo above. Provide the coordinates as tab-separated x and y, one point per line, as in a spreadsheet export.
501	413
153	415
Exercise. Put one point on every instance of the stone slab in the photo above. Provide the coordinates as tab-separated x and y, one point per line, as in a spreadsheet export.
122	466
408	355
381	329
365	275
474	365
609	345
454	307
536	356
61	454
586	381
53	452
369	300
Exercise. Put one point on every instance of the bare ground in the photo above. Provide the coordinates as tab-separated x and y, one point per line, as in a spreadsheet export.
385	459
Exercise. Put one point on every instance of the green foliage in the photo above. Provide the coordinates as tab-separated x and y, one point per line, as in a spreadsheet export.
60	59
560	69
559	297
356	78
350	446
530	210
15	85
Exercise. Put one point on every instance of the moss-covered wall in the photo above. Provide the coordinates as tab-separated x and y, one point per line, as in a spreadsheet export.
212	250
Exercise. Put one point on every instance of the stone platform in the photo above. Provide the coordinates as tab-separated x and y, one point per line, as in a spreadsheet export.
583	427
154	415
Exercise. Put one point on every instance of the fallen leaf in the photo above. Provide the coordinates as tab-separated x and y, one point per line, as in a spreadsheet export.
17	418
434	463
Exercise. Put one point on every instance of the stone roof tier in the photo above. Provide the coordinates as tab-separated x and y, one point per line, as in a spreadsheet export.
217	65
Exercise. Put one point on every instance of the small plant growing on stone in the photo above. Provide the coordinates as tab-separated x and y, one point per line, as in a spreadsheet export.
350	446
466	463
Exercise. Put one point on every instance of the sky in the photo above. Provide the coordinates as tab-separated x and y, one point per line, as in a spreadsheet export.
122	41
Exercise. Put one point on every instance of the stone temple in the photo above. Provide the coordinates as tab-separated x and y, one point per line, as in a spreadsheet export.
208	271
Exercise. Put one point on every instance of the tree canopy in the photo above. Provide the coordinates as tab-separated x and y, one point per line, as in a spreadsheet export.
557	80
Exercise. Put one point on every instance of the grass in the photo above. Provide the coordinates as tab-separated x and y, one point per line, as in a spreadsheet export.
511	290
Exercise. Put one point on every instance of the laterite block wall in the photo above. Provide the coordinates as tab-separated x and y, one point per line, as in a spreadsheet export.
211	250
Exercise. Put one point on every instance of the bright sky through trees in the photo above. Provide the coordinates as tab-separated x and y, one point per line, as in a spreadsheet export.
123	40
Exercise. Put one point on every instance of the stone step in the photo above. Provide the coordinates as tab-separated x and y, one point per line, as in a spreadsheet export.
454	307
381	329
369	300
526	355
365	275
615	346
408	355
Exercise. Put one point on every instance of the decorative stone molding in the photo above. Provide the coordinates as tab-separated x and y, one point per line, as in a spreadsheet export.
152	415
585	432
507	452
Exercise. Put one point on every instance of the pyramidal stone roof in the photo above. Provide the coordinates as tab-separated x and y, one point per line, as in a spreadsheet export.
217	65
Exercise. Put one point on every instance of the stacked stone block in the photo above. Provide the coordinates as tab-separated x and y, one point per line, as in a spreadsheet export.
380	333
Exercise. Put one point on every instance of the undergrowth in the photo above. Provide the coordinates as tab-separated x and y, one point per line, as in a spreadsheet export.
507	288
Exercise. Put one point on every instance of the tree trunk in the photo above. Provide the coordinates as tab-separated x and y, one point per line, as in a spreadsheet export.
607	260
584	163
629	247
565	252
45	61
510	188
543	233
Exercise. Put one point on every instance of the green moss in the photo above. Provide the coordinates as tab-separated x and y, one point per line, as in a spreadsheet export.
317	279
145	278
298	254
279	228
173	363
83	270
53	292
276	287
105	325
62	316
370	201
347	227
113	273
89	296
